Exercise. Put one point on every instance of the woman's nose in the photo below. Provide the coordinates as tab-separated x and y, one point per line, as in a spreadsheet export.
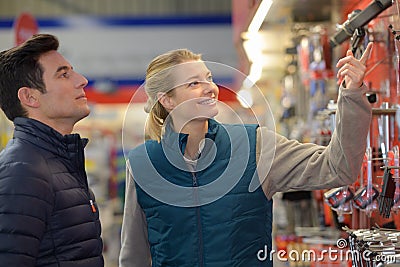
210	88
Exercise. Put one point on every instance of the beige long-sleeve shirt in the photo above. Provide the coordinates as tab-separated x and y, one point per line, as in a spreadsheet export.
295	166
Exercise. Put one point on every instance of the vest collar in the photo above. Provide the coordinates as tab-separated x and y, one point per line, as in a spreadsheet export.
170	136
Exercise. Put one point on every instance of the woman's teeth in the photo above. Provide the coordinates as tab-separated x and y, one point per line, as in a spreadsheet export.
207	102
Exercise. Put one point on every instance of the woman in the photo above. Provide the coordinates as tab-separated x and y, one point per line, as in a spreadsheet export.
190	195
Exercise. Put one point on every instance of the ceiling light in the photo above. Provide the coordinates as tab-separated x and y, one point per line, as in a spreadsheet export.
245	98
259	17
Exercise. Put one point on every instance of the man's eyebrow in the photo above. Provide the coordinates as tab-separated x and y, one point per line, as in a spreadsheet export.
62	68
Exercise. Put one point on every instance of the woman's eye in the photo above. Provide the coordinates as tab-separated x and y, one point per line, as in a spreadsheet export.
194	84
210	78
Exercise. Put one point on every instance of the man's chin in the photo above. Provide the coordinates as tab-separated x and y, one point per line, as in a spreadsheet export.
83	115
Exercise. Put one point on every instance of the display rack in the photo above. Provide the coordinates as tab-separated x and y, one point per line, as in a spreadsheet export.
6	129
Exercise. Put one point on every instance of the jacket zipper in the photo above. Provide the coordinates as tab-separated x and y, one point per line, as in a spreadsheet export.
198	217
82	175
92	206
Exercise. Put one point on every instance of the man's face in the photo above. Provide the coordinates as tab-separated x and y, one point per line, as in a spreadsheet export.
64	102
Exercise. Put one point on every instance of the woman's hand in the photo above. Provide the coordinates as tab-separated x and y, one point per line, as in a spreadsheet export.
352	70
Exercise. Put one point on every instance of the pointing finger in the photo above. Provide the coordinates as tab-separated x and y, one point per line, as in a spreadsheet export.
366	53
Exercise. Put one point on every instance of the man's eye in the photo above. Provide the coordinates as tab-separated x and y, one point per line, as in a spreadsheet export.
65	75
210	78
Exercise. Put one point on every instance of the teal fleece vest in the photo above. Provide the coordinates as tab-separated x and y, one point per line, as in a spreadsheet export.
205	217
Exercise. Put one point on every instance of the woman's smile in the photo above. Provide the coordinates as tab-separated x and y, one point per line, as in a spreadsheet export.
207	101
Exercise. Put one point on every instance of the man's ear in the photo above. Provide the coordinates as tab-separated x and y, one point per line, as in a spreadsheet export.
28	97
165	100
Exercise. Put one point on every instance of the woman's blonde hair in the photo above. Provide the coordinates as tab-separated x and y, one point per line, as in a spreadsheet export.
159	79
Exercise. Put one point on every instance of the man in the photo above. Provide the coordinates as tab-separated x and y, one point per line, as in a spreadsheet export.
48	215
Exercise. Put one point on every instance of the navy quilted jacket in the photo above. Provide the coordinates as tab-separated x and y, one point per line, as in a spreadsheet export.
48	215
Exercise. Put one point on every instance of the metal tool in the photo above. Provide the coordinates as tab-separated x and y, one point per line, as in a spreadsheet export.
386	196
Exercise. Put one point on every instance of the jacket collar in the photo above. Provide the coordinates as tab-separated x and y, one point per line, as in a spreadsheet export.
46	137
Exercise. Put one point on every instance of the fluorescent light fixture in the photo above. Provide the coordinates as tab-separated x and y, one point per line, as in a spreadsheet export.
255	71
245	98
253	49
259	17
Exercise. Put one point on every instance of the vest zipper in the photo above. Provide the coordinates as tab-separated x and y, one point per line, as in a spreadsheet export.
198	217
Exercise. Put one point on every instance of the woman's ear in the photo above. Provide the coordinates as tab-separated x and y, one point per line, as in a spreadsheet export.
27	97
165	100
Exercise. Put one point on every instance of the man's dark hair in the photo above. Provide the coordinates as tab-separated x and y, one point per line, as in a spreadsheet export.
20	67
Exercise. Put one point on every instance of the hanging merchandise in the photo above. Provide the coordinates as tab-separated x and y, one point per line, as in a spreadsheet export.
318	99
303	51
373	247
6	129
358	20
315	74
317	79
396	56
340	200
365	196
396	177
376	193
386	196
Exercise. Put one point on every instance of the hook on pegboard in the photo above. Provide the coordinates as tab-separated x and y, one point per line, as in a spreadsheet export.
396	33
